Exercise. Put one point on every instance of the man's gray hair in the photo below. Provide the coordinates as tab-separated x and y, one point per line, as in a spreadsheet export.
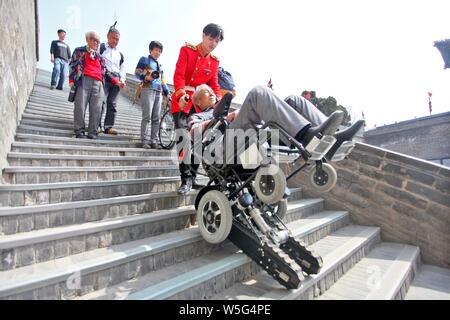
92	34
198	90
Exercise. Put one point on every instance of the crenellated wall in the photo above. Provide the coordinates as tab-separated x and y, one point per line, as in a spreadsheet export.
17	66
408	198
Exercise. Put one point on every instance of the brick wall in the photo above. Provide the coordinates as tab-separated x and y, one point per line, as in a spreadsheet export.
17	66
407	197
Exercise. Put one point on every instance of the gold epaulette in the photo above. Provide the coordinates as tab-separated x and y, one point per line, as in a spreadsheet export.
189	45
215	57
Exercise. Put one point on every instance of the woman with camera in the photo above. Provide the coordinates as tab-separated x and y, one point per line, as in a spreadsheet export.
149	71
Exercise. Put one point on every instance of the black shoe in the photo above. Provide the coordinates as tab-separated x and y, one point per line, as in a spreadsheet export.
223	106
327	128
186	186
344	135
155	146
80	135
92	136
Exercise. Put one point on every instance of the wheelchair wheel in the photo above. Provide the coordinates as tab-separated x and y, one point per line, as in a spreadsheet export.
322	180
270	184
281	209
167	130
214	217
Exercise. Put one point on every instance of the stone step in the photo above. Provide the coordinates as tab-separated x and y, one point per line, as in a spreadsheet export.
67	120
32	175
201	277
384	274
141	256
16	159
340	252
33	247
67	111
430	283
39	148
122	143
34	194
69	133
15	220
131	129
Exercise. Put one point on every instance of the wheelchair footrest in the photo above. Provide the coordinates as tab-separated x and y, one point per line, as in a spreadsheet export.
344	150
318	148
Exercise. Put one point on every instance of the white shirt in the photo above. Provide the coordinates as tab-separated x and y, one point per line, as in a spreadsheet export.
112	58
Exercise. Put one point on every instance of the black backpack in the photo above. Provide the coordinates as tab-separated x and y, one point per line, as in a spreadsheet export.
226	81
103	48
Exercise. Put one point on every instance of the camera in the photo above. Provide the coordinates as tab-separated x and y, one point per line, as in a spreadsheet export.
154	74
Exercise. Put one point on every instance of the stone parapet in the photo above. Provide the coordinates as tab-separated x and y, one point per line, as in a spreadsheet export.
408	198
17	66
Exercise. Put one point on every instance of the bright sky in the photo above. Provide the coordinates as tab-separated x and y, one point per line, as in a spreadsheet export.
373	56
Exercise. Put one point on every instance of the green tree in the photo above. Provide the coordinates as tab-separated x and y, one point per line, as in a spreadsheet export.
327	105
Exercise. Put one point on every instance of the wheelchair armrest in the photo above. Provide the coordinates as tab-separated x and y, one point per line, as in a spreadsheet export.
303	152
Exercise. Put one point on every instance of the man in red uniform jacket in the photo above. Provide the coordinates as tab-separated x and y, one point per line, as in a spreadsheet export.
196	65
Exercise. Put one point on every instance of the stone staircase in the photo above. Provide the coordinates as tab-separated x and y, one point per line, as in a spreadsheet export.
82	219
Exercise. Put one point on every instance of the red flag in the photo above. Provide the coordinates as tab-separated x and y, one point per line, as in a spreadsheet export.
430	94
270	84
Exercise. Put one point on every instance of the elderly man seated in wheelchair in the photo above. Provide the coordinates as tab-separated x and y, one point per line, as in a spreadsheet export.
244	200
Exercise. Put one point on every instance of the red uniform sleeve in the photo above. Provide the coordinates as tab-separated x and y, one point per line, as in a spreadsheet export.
179	77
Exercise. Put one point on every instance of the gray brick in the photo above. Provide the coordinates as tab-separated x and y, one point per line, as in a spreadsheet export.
20	179
403	196
77	194
4	199
17	199
133	270
367	159
118	274
10	225
26	223
32	178
439	212
91	214
66	195
103	279
55	196
105	239
7	259
443	185
44	252
25	256
55	219
428	193
92	242
43	178
77	245
41	221
62	248
68	217
88	283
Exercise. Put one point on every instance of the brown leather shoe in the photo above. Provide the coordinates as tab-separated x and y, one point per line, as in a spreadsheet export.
111	131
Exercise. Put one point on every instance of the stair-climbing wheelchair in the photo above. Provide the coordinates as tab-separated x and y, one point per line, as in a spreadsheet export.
246	197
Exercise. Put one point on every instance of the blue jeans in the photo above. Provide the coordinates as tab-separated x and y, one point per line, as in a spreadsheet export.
59	74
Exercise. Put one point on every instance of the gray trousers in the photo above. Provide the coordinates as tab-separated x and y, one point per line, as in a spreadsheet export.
151	108
262	105
111	95
90	92
306	109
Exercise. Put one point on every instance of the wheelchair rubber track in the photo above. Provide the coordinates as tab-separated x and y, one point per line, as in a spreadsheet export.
268	256
310	262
